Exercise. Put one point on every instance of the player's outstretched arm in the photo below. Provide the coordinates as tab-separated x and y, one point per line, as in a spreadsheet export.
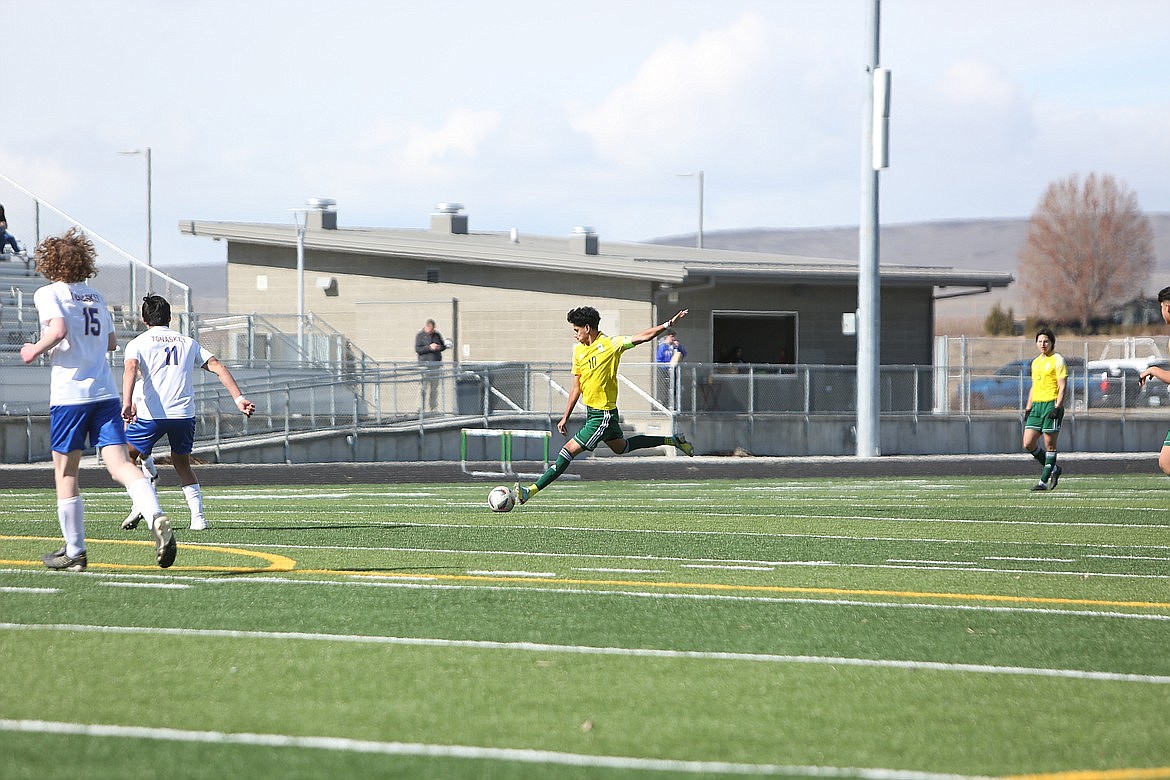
1155	372
656	330
228	381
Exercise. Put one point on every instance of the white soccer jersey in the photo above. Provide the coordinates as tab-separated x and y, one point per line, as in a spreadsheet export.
167	361
80	372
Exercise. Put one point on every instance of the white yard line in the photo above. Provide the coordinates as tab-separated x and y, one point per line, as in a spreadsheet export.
627	652
475	752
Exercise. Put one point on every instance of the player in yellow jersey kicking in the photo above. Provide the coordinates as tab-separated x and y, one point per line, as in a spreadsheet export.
595	370
1045	408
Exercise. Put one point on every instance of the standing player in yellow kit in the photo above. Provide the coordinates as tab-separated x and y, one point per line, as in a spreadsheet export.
1045	408
595	368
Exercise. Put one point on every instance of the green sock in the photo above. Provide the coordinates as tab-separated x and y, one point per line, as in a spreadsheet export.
641	442
1039	454
1049	463
555	470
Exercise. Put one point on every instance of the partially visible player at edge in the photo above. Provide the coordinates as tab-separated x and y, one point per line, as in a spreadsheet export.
1162	374
166	361
1045	408
595	368
76	332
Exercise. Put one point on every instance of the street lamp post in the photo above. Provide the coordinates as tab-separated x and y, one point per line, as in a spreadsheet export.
301	216
698	236
145	152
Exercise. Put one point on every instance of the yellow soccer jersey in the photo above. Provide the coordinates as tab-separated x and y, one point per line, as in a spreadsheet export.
596	366
1045	373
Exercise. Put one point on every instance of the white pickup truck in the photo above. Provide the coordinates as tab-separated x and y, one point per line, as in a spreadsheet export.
1113	378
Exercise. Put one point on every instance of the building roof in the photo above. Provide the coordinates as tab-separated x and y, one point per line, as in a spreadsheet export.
649	262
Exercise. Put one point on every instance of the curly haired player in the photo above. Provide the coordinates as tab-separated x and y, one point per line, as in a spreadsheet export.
84	403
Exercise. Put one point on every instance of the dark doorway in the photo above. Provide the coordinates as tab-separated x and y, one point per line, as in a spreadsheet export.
759	337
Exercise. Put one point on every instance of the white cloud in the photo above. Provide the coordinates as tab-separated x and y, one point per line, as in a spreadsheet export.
461	134
974	82
678	93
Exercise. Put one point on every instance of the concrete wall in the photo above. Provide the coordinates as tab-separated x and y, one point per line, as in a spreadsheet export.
712	435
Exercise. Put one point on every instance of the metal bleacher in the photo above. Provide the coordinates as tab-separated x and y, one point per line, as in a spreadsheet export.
18	316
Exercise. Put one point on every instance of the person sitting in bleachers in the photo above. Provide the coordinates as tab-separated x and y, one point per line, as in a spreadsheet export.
6	238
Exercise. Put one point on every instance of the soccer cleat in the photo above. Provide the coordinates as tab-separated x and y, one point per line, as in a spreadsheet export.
165	547
522	493
199	524
687	448
60	561
132	520
1054	477
1038	487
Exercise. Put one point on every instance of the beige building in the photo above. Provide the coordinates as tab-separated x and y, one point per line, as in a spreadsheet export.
503	296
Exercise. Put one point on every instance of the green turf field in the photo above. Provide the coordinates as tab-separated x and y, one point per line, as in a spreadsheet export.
893	629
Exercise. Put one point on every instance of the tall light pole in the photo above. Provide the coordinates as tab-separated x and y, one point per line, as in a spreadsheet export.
874	151
145	152
698	236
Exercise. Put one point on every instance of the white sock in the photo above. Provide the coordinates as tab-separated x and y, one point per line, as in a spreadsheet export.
194	502
71	514
148	468
145	499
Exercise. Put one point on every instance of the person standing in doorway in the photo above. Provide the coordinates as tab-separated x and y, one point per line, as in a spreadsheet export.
1045	409
429	345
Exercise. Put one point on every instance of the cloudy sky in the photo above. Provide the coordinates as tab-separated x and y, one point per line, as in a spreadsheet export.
543	115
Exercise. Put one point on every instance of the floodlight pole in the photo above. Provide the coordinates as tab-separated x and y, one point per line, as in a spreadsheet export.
869	263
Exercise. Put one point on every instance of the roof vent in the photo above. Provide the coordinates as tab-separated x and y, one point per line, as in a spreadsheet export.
448	219
583	241
320	215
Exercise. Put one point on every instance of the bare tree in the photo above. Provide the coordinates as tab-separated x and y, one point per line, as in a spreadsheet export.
1089	247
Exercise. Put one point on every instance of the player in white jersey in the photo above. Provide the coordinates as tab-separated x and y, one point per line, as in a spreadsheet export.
76	333
163	361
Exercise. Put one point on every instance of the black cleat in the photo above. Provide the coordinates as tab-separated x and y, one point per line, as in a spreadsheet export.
60	561
1054	477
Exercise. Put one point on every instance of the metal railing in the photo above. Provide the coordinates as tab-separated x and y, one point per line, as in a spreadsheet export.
294	399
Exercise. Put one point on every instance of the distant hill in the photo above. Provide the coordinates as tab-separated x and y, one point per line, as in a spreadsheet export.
979	245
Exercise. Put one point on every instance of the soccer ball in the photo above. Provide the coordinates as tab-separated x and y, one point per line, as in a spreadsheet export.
501	499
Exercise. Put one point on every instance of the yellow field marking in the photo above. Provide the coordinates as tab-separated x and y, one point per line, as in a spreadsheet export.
757	589
1152	773
279	563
